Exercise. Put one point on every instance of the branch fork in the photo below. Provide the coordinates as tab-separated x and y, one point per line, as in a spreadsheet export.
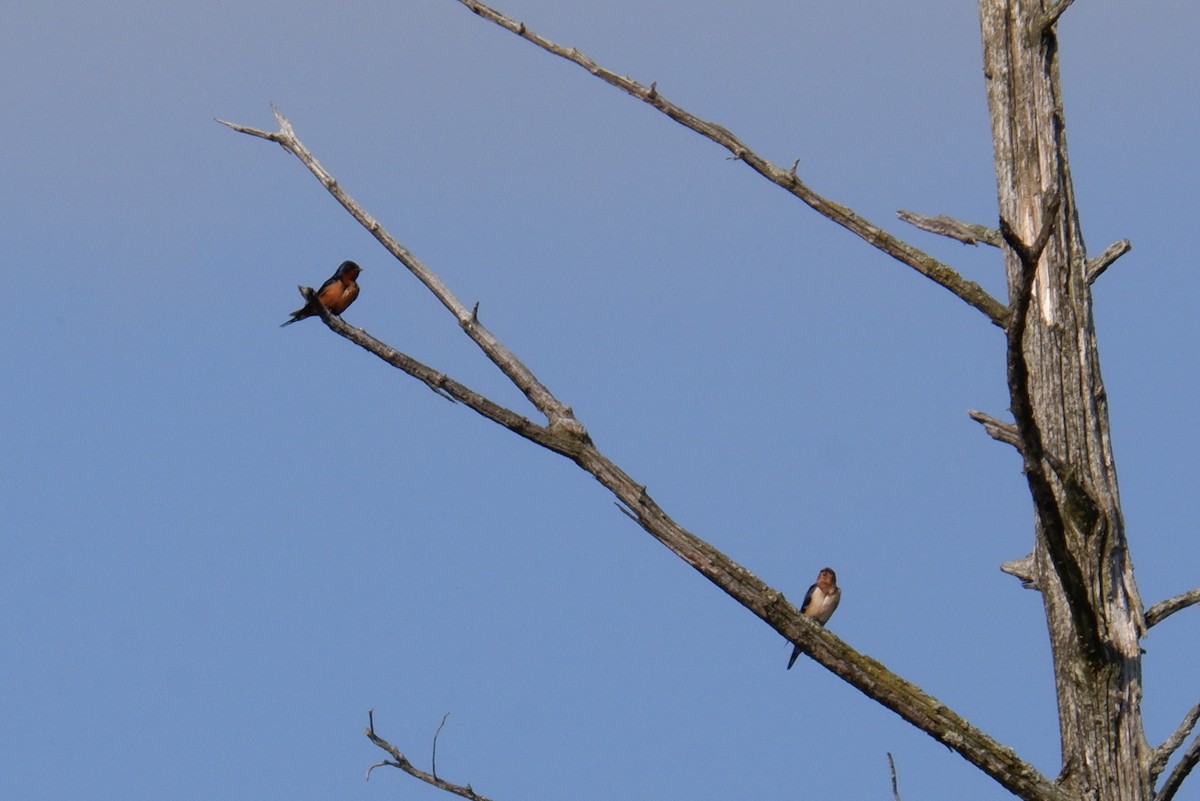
565	435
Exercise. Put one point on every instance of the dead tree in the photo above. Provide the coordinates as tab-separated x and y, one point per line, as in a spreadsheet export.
1079	560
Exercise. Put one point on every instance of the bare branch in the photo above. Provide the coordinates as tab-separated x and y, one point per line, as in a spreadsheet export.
570	440
1096	267
400	761
926	265
560	441
1009	435
1164	609
965	232
1181	771
996	429
1162	754
433	759
556	413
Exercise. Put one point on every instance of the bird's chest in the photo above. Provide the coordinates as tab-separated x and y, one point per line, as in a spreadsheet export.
823	604
338	295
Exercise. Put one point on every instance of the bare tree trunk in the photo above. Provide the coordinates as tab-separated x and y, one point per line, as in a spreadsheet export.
1080	561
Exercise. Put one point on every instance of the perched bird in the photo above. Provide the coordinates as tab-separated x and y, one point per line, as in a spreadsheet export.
336	294
819	602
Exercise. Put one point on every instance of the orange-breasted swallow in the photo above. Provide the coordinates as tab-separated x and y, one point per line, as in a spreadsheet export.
336	294
819	602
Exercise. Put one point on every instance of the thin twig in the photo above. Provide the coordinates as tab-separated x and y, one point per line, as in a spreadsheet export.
1181	771
433	759
926	265
1163	753
1164	609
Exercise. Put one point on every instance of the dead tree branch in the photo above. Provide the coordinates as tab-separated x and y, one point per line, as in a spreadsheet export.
1096	267
1024	569
1164	609
1181	772
1054	12
926	265
997	429
865	674
965	232
400	761
558	415
1162	754
1010	435
559	441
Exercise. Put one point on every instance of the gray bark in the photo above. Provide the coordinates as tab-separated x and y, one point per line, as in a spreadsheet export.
1081	562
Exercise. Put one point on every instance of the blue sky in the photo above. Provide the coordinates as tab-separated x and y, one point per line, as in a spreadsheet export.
224	542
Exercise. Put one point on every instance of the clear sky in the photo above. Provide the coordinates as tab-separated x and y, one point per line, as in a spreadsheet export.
224	542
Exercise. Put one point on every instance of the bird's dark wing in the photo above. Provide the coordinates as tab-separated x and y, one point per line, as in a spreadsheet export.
808	597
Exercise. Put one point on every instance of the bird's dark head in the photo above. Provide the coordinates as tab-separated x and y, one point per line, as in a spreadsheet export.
827	579
348	269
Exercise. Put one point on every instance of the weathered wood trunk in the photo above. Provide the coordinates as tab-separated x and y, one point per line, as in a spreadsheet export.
1080	560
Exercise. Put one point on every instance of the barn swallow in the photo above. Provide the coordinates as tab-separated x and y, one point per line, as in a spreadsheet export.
336	294
819	602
